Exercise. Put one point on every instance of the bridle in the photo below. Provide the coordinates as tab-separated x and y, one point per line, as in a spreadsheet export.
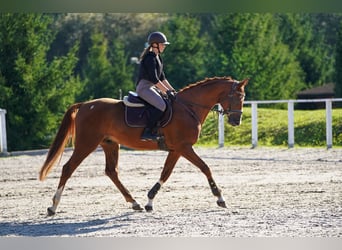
234	93
232	98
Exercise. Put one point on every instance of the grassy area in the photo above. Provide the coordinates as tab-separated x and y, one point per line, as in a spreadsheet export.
272	128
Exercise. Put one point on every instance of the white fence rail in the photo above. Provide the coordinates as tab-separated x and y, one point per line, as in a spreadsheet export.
290	110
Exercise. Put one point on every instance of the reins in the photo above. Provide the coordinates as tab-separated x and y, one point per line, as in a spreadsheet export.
192	113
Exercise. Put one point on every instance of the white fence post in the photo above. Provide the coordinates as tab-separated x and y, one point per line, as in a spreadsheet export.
290	125
328	114
254	124
3	135
221	127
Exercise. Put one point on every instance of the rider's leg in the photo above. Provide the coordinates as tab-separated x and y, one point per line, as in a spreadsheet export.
148	92
149	133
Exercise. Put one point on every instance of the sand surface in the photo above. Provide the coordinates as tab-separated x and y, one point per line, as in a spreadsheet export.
269	192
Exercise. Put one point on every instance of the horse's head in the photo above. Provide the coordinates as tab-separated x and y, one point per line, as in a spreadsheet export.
233	103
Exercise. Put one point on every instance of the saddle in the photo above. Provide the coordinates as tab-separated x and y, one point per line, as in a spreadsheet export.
138	111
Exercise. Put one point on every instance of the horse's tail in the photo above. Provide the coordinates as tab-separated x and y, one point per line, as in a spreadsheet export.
66	131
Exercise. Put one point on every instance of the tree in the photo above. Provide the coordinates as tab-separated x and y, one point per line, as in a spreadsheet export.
129	28
249	46
122	69
107	73
96	74
185	56
37	91
338	65
307	43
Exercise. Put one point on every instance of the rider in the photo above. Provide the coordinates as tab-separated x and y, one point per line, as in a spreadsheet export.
151	78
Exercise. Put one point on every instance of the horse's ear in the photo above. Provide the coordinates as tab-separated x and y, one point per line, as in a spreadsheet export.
244	82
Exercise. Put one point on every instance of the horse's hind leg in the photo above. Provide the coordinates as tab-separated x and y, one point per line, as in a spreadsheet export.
111	150
69	167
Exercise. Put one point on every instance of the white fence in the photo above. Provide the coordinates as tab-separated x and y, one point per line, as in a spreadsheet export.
290	110
3	135
254	104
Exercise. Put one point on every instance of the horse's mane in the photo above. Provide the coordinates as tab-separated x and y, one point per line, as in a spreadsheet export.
205	81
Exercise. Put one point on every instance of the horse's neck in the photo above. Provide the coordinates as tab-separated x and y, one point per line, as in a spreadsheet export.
205	94
201	98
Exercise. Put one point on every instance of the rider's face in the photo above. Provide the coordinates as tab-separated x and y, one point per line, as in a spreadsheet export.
161	47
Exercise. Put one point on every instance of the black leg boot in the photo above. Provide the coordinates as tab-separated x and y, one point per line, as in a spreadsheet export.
149	133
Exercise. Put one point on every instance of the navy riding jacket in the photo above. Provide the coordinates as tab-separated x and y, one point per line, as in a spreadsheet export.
151	68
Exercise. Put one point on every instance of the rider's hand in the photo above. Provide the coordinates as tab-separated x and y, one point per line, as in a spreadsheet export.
171	94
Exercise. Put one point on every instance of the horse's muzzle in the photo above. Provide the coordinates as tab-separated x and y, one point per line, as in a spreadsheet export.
234	119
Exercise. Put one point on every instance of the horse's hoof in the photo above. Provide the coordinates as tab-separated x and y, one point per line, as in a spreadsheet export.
222	204
137	207
50	212
148	208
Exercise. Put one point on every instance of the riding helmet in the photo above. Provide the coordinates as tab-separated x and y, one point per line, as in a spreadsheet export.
157	37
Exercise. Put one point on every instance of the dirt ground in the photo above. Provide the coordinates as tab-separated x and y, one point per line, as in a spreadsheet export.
269	192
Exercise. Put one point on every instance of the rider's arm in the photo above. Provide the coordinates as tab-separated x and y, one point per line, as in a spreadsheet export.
160	85
168	85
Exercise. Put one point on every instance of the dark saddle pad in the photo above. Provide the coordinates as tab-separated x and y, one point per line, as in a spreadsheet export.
138	111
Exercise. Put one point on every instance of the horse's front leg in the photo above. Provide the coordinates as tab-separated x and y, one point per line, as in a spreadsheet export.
169	165
190	155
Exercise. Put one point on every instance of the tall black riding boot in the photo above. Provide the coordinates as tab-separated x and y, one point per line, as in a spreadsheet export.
149	133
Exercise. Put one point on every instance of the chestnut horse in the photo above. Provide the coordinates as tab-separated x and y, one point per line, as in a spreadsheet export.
101	122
